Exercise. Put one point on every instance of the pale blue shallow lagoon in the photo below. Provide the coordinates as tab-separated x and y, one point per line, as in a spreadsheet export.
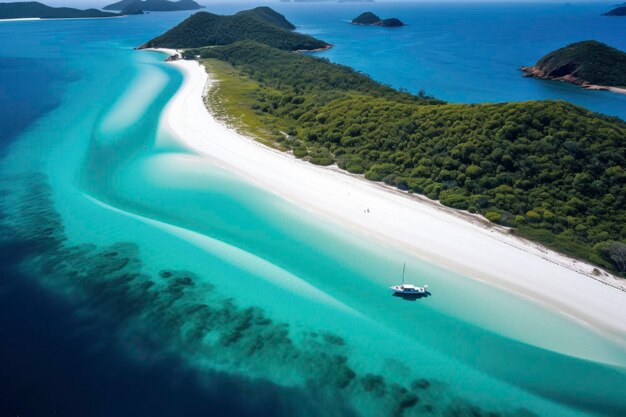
131	286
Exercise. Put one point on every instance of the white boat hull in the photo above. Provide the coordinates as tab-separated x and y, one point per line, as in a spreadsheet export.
409	290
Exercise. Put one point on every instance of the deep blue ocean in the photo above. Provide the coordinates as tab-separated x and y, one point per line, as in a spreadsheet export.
58	359
471	53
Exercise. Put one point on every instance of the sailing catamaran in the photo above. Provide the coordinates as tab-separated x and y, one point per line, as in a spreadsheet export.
409	289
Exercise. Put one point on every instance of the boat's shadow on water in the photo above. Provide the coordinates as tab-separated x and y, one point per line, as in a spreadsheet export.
411	297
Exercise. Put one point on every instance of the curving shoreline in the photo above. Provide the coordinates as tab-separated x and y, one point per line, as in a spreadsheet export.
459	242
534	72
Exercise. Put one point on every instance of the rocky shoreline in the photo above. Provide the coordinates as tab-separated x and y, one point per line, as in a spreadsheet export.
326	48
536	72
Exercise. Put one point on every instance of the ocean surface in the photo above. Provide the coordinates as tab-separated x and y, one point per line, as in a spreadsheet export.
134	284
471	53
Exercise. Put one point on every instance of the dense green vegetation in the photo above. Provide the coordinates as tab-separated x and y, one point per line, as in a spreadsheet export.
33	9
551	170
366	18
589	61
233	101
618	11
269	15
369	18
260	24
154	5
391	22
321	79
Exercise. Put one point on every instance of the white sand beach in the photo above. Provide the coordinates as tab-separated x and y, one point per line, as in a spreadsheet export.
458	241
606	88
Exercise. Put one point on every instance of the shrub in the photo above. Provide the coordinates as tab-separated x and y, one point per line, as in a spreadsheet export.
493	216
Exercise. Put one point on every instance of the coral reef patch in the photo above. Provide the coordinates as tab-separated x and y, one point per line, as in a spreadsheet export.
173	312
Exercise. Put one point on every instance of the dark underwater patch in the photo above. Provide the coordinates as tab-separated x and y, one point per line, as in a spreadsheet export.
54	363
116	345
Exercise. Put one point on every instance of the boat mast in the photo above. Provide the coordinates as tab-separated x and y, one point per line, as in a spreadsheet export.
403	269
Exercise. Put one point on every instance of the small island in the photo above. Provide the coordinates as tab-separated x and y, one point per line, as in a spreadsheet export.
36	10
618	11
326	1
370	19
589	64
261	24
132	6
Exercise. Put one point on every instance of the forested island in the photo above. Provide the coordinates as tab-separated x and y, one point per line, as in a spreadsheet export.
130	6
36	10
261	24
370	19
590	64
552	171
618	11
326	1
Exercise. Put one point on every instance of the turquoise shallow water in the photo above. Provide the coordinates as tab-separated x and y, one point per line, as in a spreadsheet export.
278	295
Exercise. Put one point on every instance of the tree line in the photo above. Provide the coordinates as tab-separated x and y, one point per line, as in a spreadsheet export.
552	171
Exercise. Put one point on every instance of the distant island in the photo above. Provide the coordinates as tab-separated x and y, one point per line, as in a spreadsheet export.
590	64
618	11
261	24
36	10
131	6
326	1
370	19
